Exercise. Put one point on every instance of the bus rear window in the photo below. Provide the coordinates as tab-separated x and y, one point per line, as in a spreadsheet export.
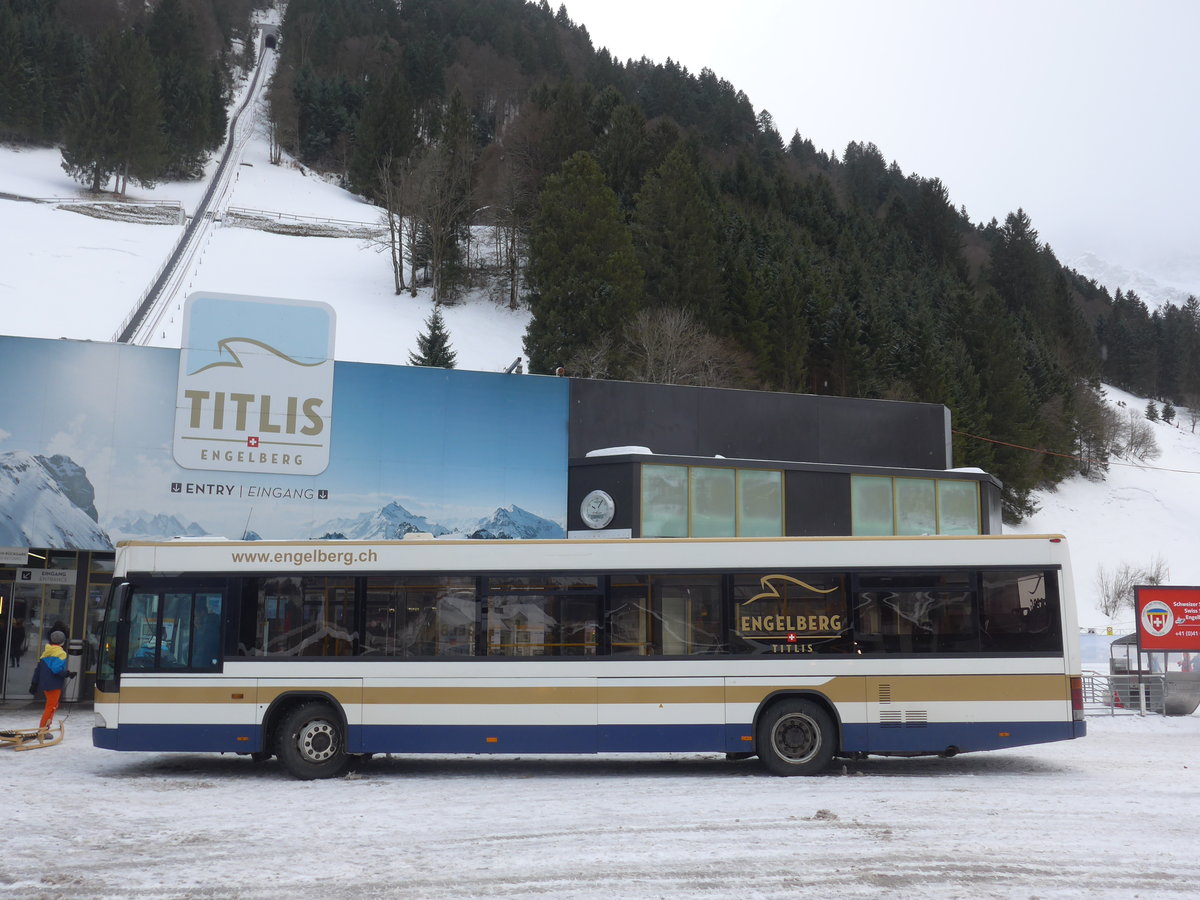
1020	611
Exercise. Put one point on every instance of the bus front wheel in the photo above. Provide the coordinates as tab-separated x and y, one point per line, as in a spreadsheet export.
795	737
312	743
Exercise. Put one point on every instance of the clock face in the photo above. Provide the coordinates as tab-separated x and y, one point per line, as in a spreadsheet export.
597	509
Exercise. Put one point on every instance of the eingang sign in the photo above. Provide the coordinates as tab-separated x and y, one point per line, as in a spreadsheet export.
1168	618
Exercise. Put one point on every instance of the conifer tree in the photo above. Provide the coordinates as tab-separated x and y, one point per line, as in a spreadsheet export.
92	145
139	114
676	237
433	345
193	99
585	278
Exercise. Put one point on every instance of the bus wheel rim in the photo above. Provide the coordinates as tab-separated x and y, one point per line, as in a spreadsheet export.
796	738
317	742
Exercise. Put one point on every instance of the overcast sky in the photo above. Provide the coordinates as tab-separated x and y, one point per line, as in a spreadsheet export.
1083	112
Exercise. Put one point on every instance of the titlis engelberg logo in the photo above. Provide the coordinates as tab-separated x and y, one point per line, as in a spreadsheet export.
255	390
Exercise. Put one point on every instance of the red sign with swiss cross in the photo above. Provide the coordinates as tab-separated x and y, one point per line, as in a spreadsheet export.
1168	618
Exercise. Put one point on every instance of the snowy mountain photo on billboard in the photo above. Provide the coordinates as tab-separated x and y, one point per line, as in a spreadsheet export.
37	508
512	522
393	521
390	523
138	525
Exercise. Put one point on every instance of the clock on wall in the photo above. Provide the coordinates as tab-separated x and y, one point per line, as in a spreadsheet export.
597	509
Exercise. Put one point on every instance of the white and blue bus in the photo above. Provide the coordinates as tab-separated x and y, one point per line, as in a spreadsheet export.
794	650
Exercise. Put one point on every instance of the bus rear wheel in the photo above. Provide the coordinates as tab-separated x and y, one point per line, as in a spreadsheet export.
311	742
795	737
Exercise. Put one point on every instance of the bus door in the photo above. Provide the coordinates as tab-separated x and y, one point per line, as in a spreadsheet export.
173	659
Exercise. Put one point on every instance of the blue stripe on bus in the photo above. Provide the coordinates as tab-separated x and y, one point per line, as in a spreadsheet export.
182	738
964	736
728	738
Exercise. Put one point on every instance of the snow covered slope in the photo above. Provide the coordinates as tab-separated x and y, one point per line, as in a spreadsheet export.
1139	512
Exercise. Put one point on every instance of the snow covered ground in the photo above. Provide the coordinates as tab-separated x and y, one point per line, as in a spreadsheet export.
1112	815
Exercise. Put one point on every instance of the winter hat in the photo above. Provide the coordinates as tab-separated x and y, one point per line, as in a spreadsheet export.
57	637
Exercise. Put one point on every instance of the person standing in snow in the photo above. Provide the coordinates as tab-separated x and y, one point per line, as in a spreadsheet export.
50	675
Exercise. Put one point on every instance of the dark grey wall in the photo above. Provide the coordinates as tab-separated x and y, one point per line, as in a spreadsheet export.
816	503
621	480
692	421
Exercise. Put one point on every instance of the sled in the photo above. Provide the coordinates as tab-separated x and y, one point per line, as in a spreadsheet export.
32	738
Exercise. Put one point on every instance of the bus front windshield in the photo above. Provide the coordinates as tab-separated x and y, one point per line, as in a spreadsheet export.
106	671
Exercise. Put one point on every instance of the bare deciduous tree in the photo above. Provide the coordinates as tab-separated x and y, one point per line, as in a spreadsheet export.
1115	588
668	345
392	175
1138	439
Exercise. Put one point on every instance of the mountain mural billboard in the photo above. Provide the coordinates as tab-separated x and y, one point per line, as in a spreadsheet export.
88	438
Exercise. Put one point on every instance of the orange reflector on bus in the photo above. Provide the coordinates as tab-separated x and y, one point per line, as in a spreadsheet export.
746	737
492	740
1005	734
243	739
237	696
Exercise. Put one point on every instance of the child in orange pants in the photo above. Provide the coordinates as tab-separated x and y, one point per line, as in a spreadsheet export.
50	675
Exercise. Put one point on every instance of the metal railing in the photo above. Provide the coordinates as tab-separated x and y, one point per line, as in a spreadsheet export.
1112	695
281	216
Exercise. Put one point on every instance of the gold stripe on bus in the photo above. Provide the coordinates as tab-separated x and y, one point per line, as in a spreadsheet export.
844	689
965	688
920	689
186	694
484	696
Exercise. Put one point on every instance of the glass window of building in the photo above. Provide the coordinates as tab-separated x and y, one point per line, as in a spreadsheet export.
882	505
916	506
711	501
958	507
713	508
664	501
760	503
871	505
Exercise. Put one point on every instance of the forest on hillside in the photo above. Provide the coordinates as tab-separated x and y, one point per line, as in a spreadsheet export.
657	226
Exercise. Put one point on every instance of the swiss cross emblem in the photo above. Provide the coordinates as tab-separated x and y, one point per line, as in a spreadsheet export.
252	441
791	638
1158	619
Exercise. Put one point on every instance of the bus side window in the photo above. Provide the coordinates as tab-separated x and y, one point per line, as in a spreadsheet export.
205	632
143	631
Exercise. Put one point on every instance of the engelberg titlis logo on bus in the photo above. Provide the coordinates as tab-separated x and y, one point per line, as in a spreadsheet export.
255	389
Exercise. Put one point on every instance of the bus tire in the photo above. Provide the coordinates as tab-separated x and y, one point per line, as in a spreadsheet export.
312	743
795	737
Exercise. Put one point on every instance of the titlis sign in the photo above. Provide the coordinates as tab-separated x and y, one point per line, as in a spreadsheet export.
255	389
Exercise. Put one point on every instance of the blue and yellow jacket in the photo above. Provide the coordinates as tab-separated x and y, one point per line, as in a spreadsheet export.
51	669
